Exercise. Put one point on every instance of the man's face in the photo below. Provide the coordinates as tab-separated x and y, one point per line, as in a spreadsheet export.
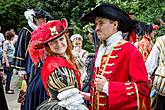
105	28
40	21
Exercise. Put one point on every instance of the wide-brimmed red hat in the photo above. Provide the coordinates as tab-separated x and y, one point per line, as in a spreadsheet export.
44	34
112	12
50	31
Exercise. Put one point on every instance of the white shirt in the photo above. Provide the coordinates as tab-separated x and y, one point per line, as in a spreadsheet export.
111	41
2	39
152	61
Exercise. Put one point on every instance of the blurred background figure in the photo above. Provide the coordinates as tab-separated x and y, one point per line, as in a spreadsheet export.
90	62
8	56
92	35
15	38
146	43
35	93
145	46
3	104
155	65
2	39
79	54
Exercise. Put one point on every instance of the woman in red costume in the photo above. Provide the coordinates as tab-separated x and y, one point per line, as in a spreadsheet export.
59	73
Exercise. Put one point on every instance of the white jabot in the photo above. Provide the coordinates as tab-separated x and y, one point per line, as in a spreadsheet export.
110	42
32	25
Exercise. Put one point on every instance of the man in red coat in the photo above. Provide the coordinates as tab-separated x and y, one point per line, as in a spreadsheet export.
120	77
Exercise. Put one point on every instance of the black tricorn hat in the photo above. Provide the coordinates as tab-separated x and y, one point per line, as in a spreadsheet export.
40	13
112	12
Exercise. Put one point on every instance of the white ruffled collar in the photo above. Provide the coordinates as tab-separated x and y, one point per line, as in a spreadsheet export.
110	42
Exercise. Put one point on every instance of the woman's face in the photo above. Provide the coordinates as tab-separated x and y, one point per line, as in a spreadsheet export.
77	44
59	45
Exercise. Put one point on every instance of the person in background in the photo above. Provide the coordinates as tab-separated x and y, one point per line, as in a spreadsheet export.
3	103
15	38
156	67
140	31
60	75
80	54
90	62
22	60
35	93
92	35
2	39
7	61
120	78
145	45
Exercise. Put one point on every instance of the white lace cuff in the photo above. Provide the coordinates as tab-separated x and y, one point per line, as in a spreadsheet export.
71	99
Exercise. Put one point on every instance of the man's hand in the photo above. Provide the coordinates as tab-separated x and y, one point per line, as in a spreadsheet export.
86	96
150	82
99	82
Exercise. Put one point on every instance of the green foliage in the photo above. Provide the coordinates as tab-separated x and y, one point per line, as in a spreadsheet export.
72	11
12	12
144	10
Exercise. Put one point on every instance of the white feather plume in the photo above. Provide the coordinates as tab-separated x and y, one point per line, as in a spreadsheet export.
29	14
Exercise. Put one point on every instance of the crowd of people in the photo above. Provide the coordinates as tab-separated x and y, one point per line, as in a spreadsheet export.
59	74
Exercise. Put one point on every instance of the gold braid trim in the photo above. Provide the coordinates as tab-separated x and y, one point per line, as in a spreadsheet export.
109	56
137	93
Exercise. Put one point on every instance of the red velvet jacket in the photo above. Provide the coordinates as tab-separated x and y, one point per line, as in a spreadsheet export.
126	73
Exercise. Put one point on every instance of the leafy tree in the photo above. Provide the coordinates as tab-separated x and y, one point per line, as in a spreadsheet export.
12	12
72	11
144	10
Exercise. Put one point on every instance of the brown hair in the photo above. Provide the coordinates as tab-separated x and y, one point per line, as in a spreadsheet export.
9	35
